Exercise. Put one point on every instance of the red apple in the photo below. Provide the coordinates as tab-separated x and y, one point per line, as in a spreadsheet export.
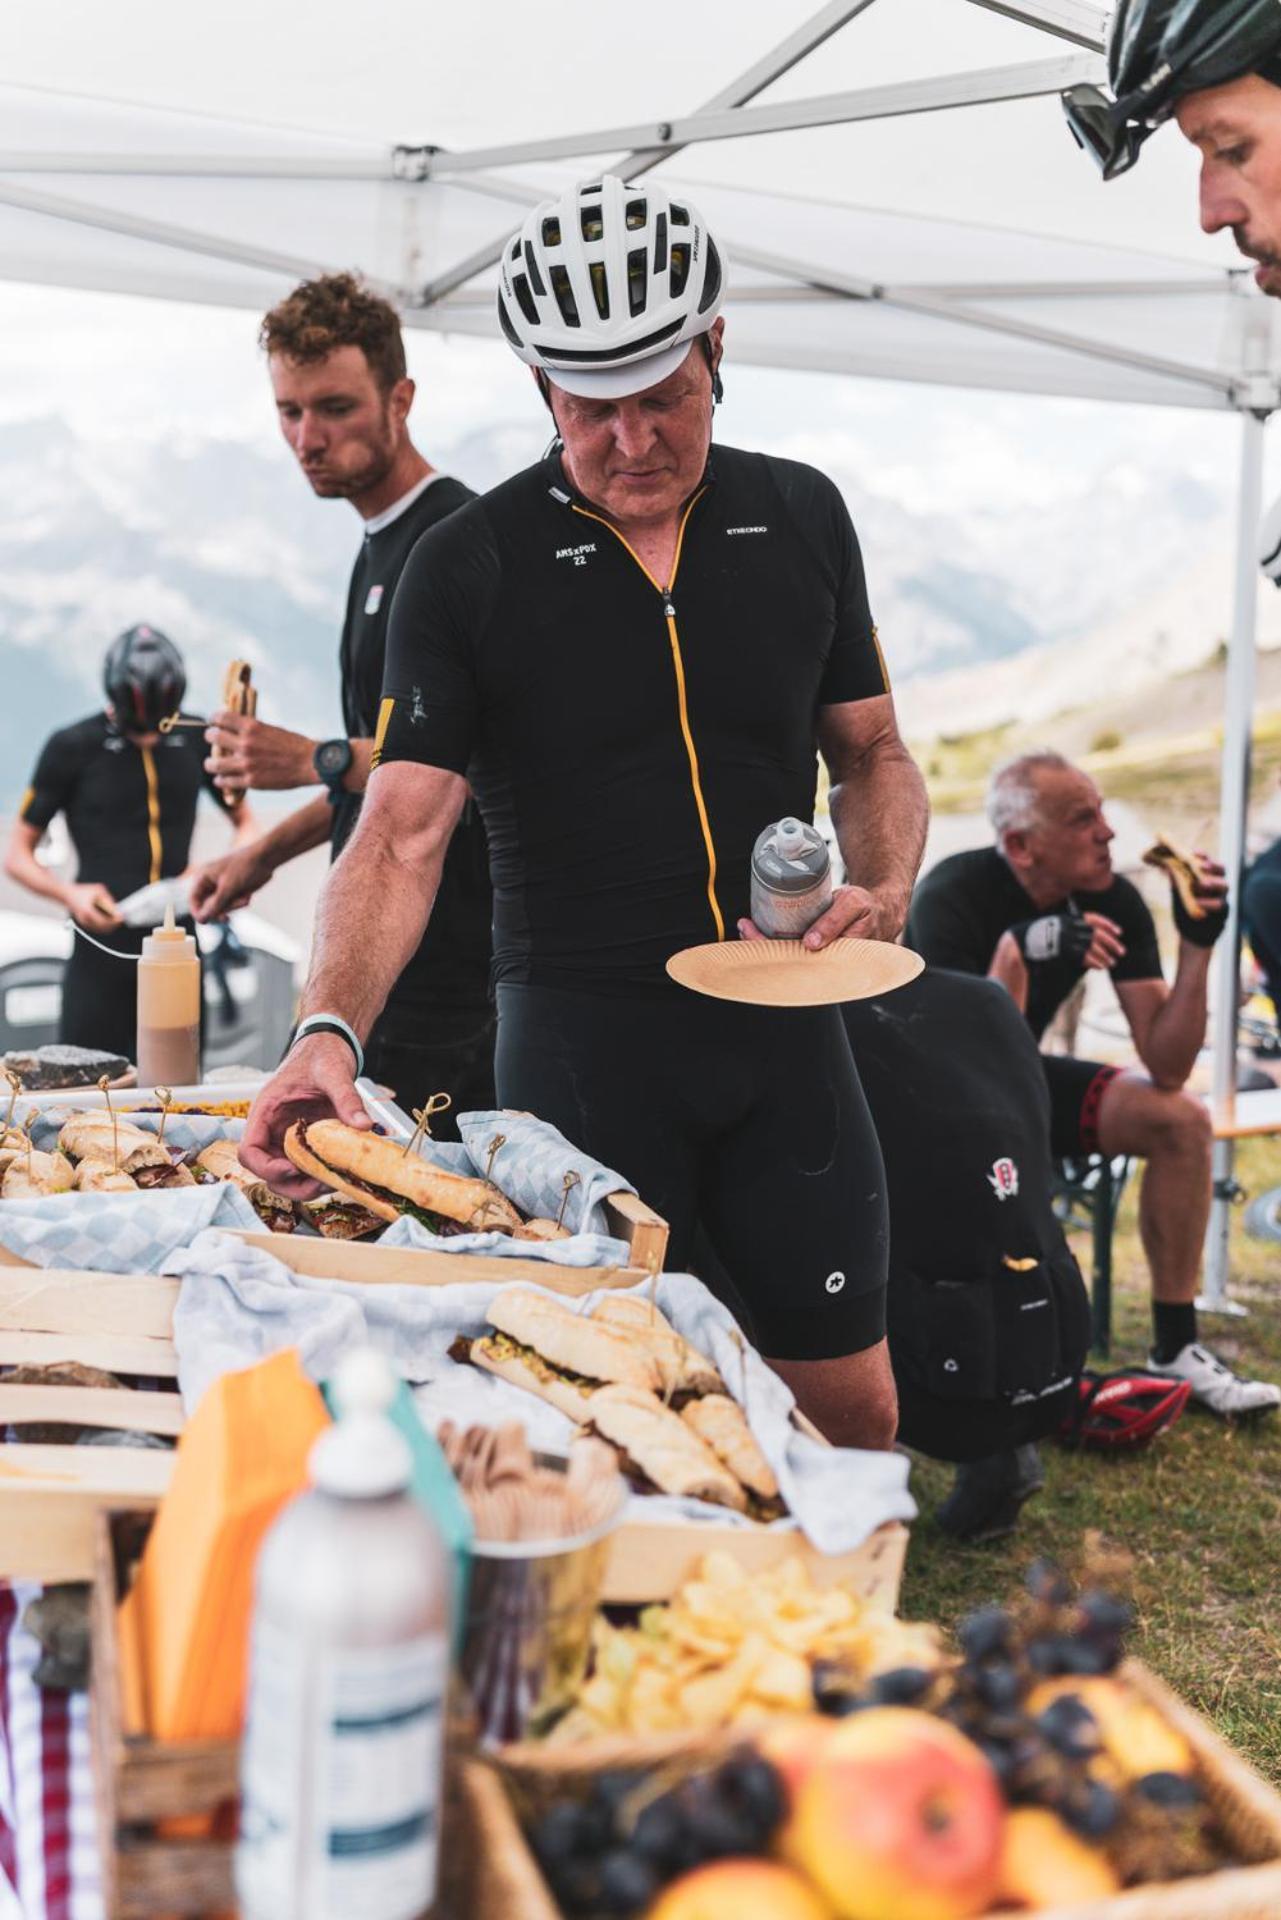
901	1818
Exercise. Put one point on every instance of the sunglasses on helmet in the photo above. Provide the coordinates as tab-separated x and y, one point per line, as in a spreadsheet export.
1111	139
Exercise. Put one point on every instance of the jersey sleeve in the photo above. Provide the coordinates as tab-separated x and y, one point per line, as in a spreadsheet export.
430	697
51	784
856	667
944	927
1142	957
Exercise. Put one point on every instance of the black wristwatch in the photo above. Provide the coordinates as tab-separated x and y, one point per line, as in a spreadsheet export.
331	760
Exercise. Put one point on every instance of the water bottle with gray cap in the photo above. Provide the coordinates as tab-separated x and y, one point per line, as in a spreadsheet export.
791	879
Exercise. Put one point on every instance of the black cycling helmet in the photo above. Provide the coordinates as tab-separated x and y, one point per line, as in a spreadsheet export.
1160	50
144	679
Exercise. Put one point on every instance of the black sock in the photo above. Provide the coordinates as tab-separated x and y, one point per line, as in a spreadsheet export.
1173	1327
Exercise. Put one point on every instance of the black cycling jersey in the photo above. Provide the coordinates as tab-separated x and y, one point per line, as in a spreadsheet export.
964	904
628	743
130	810
450	970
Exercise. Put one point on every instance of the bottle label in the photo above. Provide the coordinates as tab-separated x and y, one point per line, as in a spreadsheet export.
340	1778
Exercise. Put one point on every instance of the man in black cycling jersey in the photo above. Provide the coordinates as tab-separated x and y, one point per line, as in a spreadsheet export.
1215	67
1038	910
337	363
634	652
128	793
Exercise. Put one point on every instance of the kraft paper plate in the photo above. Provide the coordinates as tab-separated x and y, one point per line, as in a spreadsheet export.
783	973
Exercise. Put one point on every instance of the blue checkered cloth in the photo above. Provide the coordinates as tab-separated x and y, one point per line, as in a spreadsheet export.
118	1232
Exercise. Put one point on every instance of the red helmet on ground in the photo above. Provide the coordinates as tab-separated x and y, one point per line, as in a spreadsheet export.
1118	1411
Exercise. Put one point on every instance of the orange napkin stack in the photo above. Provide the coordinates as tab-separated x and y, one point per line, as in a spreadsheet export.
242	1455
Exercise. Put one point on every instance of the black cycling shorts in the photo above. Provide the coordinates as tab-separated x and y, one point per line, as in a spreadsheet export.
1076	1088
746	1120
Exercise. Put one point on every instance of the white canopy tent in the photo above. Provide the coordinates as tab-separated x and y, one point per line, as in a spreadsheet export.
149	200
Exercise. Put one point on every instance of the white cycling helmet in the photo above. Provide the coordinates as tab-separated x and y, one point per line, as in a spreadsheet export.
605	288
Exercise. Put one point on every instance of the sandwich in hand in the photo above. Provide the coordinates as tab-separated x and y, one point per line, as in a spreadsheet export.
221	1160
562	1356
35	1173
1186	871
380	1175
657	1452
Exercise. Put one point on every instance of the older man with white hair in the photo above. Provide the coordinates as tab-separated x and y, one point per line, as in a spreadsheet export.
1036	912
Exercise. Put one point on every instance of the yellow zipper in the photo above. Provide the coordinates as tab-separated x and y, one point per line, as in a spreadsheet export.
153	811
682	701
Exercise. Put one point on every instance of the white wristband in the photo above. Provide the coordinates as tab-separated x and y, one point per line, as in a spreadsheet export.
330	1023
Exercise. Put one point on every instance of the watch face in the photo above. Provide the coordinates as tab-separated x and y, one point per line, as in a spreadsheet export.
332	757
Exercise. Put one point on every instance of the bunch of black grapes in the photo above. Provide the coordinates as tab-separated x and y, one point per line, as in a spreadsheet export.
612	1851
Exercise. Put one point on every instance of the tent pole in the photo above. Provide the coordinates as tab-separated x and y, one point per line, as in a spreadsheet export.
1234	791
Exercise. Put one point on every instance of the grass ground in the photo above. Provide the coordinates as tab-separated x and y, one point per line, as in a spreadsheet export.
1200	1510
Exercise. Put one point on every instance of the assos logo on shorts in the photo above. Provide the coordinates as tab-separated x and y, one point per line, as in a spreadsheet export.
1004	1178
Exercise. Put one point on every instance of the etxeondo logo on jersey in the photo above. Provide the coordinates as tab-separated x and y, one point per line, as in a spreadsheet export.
577	554
732	530
1004	1178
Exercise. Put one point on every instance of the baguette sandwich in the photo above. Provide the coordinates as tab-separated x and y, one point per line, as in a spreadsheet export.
123	1148
722	1425
222	1160
685	1370
380	1175
562	1356
1186	871
34	1173
99	1176
657	1452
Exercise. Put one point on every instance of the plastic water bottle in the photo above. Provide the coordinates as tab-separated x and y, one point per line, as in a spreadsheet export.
791	879
344	1743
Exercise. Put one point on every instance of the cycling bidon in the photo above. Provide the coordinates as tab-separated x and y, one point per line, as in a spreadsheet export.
626	741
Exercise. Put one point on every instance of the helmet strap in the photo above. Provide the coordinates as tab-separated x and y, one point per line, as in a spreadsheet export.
718	385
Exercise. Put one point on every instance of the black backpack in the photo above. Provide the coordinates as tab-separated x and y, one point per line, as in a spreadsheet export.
989	1319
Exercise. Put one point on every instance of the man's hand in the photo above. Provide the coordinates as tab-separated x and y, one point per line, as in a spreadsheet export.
249	753
92	907
1212	892
314	1082
219	886
1089	939
855	914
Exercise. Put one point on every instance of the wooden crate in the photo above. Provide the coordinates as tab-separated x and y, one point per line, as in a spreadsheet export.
649	1561
505	1882
140	1783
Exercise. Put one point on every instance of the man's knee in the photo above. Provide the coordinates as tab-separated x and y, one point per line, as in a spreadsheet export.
1155	1123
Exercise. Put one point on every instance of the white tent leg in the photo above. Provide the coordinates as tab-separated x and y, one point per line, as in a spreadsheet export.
1233	804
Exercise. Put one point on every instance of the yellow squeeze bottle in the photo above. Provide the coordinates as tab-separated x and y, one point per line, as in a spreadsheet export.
169	1008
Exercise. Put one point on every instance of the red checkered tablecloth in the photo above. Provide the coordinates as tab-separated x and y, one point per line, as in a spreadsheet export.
48	1838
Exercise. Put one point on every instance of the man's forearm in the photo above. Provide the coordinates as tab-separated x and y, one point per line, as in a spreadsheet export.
1009	969
880	811
306	827
370	919
28	872
1177	1033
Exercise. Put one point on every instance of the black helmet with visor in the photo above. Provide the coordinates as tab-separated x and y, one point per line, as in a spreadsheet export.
144	678
1160	50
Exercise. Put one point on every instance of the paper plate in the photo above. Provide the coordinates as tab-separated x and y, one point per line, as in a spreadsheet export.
783	973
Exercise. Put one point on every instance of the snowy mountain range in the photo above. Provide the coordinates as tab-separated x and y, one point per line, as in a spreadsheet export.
219	542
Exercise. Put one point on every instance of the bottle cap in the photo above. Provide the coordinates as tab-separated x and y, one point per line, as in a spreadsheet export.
790	838
362	1456
168	942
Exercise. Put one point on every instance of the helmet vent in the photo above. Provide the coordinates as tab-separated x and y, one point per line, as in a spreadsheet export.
589	219
636	214
600	288
680	268
660	243
637	273
551	233
528	305
513	338
712	279
680	216
564	296
531	267
515	252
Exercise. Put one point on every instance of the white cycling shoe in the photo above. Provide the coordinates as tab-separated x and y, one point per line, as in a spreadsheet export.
1216	1386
